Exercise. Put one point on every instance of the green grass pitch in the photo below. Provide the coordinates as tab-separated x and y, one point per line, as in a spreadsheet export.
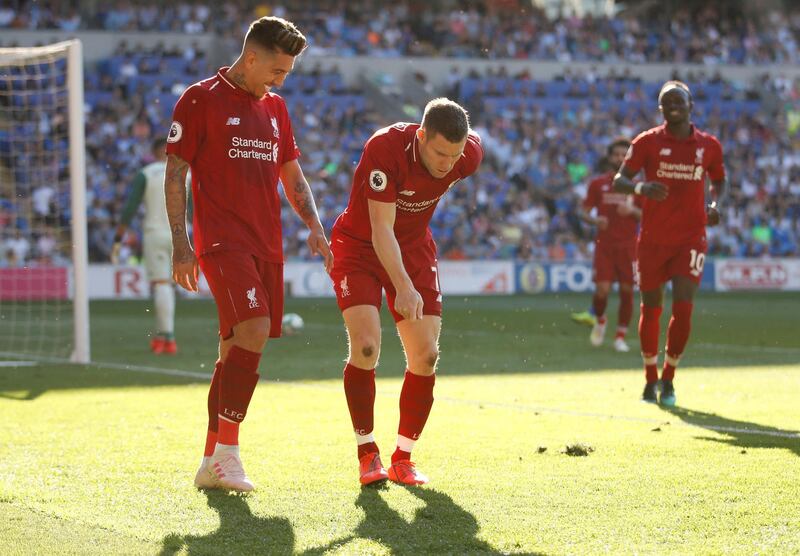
100	459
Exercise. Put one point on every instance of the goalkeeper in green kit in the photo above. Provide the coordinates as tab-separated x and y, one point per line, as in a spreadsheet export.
148	187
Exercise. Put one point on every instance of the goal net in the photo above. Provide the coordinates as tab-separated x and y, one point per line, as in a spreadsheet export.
43	248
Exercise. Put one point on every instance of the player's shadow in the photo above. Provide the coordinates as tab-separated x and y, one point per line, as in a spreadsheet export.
28	383
239	532
440	527
743	434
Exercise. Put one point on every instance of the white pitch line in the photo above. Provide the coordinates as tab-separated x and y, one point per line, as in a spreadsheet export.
476	403
458	401
489	332
574	413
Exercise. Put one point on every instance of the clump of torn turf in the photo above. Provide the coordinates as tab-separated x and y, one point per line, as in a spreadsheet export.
578	449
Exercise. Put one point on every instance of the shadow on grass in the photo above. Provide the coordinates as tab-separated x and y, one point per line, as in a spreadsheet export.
239	532
439	527
743	434
28	383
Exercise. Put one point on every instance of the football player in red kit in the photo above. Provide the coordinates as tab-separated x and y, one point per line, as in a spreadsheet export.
614	247
382	242
676	158
237	138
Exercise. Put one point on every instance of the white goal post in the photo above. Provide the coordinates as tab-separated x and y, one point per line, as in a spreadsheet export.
44	304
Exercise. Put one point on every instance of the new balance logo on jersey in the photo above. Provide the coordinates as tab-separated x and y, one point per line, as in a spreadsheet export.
665	152
345	289
251	296
232	121
407	193
275	131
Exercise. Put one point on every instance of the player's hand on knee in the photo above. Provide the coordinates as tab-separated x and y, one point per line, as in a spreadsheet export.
409	304
185	270
655	190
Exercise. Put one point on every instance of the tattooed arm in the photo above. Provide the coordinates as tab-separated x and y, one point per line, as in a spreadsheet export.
298	192
184	263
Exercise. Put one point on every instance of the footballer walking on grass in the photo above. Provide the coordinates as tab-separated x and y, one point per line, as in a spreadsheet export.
382	242
616	220
237	138
675	157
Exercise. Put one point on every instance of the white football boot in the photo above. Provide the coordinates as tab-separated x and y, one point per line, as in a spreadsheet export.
598	332
226	470
621	346
204	479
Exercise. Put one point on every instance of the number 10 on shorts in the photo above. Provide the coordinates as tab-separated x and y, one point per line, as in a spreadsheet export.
438	286
696	262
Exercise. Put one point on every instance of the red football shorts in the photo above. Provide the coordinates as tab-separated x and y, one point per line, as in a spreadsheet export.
660	263
614	263
244	287
359	277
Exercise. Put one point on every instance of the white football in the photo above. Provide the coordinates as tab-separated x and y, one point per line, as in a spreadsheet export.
292	323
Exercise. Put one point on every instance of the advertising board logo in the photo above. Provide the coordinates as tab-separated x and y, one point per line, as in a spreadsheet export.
753	275
532	278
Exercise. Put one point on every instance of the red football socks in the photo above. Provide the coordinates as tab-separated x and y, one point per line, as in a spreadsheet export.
625	309
677	336
213	410
359	389
599	305
649	329
228	433
416	400
238	381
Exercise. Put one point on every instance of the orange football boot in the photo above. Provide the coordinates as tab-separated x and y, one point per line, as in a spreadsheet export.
157	345
170	347
405	472
371	469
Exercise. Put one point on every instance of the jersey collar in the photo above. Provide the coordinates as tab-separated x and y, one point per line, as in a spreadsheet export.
692	138
416	159
222	73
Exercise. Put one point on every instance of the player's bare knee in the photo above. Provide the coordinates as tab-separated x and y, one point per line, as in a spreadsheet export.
424	362
433	358
603	289
364	351
252	334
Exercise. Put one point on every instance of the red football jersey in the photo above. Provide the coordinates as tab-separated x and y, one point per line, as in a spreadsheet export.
235	145
681	165
391	171
601	195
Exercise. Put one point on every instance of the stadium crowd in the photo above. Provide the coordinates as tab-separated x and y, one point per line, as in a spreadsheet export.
544	139
701	32
539	157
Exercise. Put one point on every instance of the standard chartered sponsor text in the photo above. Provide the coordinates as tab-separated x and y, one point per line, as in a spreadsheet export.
259	150
678	171
416	207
